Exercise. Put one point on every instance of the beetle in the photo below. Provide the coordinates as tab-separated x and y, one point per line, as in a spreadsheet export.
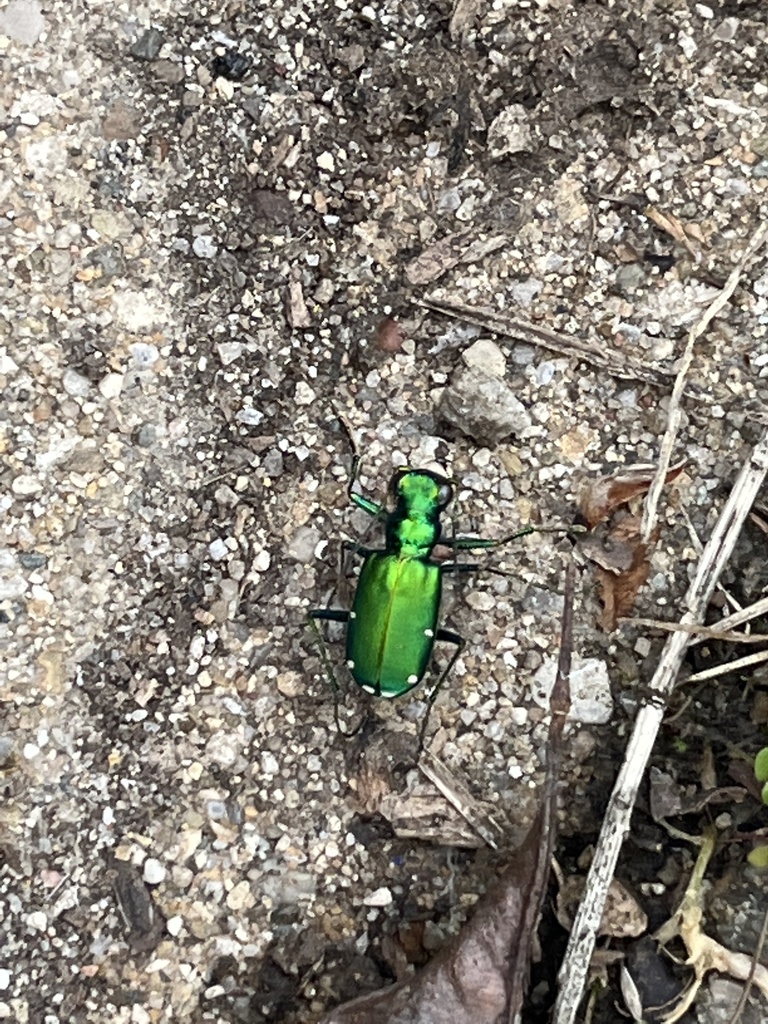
393	623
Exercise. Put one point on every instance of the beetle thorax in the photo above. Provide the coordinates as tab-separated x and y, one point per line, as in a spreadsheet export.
414	526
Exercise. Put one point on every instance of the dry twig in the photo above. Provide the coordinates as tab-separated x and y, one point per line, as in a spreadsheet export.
616	821
619	365
674	415
705	953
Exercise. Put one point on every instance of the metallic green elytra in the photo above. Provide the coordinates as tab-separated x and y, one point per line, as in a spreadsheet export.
393	624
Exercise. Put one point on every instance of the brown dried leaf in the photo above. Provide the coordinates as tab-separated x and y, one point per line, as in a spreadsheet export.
619	590
605	493
298	314
469	981
623	917
463	17
668	798
446	253
675	228
389	335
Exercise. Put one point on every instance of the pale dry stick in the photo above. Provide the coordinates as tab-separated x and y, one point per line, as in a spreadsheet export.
698	548
728	666
674	415
741	616
619	365
617	816
698	634
457	794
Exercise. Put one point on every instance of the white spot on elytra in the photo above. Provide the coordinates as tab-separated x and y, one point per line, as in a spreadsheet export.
412	680
369	689
386	693
429	632
350	664
353	615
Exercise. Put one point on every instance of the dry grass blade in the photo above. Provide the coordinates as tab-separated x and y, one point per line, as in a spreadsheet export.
729	666
459	797
698	634
674	415
616	821
520	330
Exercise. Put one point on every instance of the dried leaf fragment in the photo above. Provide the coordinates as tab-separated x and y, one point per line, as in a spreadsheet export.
389	335
605	493
446	253
298	314
620	589
676	229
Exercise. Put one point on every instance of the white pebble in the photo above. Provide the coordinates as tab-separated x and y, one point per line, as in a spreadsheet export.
326	162
111	385
75	384
303	395
218	549
154	871
379	898
229	351
25	484
204	247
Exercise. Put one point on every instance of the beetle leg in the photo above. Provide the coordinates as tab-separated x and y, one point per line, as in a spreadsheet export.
358	549
484	543
326	615
458	641
330	615
371	507
474	567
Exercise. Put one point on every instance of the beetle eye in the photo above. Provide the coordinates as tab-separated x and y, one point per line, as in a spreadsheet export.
394	483
444	495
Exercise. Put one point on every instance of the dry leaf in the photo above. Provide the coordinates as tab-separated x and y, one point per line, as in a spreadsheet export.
389	335
668	798
446	253
619	551
298	314
675	228
605	493
619	590
623	917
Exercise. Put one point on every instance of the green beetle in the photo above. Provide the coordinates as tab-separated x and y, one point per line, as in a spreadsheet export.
394	620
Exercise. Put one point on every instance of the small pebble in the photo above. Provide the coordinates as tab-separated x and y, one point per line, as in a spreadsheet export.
378	898
154	872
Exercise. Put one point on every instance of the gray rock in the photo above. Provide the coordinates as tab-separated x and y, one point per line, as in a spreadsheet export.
109	259
148	45
630	277
22	21
510	132
483	407
485	355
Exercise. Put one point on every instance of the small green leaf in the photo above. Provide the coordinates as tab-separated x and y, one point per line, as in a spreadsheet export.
758	857
761	765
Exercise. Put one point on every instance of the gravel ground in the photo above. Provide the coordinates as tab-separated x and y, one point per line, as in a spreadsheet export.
209	216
